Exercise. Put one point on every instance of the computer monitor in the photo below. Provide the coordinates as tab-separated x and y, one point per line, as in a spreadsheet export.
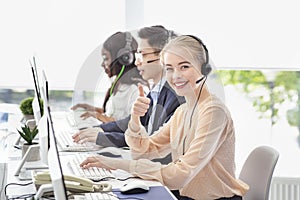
43	125
36	104
55	168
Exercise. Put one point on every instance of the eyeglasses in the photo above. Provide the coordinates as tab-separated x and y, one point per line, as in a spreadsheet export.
139	56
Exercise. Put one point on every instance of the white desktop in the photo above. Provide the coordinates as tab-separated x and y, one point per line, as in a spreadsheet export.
63	183
41	121
55	166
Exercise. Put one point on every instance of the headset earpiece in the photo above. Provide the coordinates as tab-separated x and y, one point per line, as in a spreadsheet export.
125	55
206	67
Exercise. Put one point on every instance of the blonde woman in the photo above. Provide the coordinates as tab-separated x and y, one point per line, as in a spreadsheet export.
200	135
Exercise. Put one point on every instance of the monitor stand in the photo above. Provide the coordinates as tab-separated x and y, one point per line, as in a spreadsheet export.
25	167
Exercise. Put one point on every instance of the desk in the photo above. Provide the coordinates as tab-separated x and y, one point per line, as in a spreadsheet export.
30	189
64	157
14	156
10	158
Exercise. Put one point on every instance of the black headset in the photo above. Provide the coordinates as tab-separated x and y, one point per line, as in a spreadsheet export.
205	67
125	55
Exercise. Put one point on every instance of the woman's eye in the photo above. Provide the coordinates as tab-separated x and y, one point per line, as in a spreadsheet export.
184	67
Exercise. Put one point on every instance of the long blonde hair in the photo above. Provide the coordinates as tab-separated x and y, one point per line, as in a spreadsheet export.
189	45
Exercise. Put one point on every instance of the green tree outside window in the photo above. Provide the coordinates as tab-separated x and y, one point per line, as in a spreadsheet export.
285	86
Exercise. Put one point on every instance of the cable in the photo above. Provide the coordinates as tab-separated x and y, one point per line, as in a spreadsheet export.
111	177
19	184
24	196
124	179
199	94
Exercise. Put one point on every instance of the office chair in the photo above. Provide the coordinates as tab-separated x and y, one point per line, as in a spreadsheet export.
257	172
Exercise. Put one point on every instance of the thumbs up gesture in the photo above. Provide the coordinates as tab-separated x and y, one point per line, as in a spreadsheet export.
139	108
141	104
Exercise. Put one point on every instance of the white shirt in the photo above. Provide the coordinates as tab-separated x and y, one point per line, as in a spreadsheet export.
119	104
154	95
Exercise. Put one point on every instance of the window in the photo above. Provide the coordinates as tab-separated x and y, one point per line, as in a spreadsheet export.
265	108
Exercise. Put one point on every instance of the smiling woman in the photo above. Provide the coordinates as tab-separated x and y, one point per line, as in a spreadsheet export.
200	135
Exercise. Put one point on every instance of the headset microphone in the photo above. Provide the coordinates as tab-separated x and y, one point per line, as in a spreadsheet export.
198	81
114	83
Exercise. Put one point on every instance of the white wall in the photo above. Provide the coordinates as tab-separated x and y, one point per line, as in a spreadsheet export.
63	33
244	34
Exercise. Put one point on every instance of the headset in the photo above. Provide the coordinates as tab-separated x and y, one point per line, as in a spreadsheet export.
125	55
205	67
205	70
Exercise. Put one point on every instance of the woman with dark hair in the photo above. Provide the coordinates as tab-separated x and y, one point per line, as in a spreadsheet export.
118	62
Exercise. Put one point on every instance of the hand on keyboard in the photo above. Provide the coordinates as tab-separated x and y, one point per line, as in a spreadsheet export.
93	173
87	135
66	143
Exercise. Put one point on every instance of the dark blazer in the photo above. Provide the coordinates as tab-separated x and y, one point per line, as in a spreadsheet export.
167	103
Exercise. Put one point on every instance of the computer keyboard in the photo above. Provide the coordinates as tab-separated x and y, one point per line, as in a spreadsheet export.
74	120
93	173
96	196
65	142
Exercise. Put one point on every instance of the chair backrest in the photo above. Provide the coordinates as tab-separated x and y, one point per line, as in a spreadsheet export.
257	172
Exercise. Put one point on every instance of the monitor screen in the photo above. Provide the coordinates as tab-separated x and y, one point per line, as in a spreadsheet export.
36	104
43	125
55	168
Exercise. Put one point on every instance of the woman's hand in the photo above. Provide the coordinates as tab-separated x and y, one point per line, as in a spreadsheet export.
84	106
100	116
95	161
87	107
90	114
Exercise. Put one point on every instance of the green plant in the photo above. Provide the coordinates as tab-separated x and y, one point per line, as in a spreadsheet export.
26	106
285	87
27	134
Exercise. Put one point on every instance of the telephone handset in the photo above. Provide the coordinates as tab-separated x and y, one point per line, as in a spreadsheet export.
73	183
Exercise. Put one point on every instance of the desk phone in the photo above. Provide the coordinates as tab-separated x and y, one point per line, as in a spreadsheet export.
74	184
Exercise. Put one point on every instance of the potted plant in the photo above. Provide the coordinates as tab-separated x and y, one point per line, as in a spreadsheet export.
26	108
28	135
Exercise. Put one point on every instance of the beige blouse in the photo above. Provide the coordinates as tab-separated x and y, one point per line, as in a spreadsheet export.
203	151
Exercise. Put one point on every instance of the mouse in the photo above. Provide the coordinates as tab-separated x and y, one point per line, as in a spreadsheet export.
135	187
112	152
